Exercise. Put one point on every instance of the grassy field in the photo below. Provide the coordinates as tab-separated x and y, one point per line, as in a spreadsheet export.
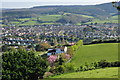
115	17
31	21
103	21
50	17
95	52
24	19
98	73
80	15
87	16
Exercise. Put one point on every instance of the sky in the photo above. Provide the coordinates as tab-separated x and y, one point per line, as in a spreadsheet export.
31	3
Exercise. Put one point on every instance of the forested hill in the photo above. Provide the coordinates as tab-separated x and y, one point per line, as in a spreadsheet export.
95	10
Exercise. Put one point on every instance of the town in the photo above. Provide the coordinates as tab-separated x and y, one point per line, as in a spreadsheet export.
60	41
54	35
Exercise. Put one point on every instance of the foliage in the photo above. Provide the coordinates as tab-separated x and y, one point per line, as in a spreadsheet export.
104	63
116	6
42	47
60	61
98	73
22	65
4	48
77	45
69	67
52	59
96	65
61	69
70	51
53	69
72	19
65	56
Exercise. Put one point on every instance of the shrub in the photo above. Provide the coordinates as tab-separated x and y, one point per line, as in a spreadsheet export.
52	59
116	64
61	69
69	67
104	63
70	51
96	65
53	69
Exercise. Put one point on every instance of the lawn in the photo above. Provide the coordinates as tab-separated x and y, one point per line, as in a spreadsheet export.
98	73
95	53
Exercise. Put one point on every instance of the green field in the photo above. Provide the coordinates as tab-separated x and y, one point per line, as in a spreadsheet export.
115	17
31	21
98	73
95	53
24	19
87	16
103	21
50	17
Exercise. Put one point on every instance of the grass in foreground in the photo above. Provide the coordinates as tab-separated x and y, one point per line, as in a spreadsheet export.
98	73
95	53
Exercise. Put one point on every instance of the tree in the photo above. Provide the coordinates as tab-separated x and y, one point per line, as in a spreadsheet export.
70	51
22	65
60	61
61	69
52	59
42	47
116	6
4	48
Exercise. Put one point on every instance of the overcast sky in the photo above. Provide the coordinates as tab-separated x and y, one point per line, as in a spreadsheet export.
31	3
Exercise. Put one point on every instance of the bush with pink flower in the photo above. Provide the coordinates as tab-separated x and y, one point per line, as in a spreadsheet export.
52	59
67	56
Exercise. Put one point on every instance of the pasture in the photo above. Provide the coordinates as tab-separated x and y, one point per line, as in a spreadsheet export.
50	17
94	53
98	73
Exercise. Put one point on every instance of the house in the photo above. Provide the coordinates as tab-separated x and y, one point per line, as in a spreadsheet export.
56	51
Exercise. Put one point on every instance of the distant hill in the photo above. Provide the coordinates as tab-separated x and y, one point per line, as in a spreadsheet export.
60	15
99	11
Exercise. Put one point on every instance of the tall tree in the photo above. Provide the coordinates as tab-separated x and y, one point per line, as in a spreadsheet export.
116	4
22	65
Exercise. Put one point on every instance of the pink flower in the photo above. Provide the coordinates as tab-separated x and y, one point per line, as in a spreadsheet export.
67	56
52	59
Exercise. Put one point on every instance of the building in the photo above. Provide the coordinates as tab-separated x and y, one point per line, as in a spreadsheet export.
56	51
